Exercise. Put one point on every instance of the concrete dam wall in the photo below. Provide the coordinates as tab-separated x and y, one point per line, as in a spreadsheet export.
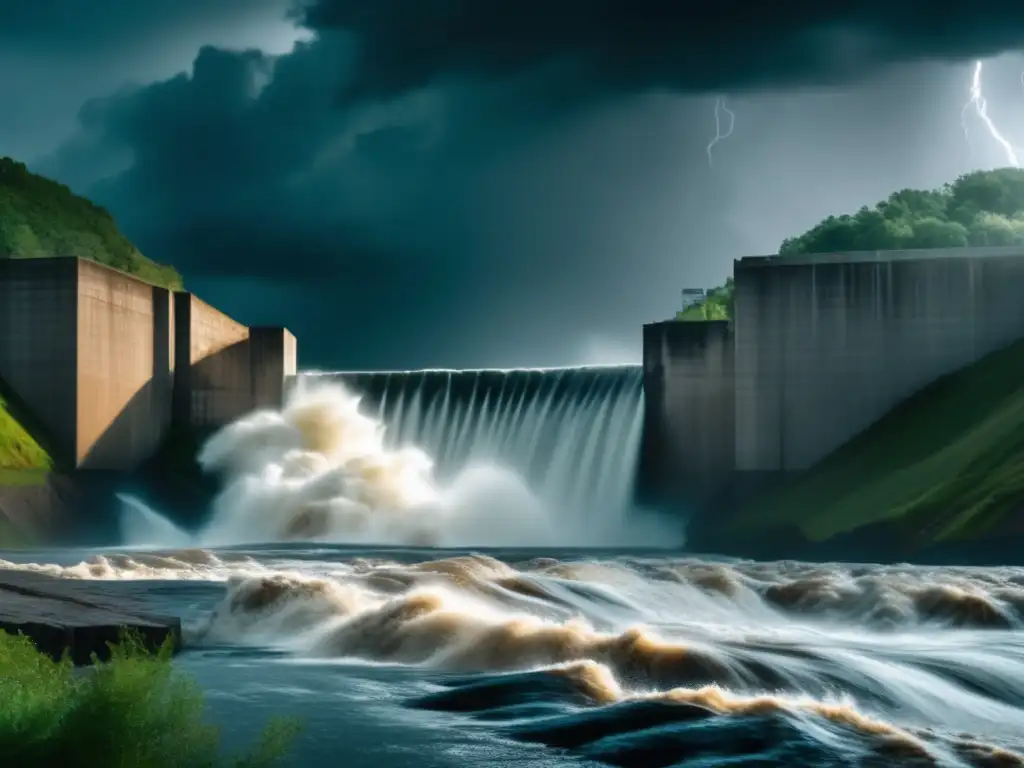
688	441
104	363
820	347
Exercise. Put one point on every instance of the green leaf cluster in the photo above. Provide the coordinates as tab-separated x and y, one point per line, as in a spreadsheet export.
40	217
978	209
133	711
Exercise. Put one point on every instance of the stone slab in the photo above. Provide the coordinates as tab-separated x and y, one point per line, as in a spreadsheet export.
62	614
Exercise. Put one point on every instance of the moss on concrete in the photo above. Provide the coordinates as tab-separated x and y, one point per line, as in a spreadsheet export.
945	465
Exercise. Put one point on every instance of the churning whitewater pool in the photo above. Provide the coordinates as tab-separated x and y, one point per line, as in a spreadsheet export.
426	657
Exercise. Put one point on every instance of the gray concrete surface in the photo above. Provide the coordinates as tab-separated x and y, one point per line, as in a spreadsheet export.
688	449
61	615
38	343
826	345
273	363
124	376
212	366
224	369
100	362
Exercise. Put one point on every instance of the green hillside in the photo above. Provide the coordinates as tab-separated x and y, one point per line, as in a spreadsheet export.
946	464
40	217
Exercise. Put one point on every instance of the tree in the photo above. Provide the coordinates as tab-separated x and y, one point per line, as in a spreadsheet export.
979	208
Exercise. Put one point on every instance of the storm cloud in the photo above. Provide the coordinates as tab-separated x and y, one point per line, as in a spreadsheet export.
686	45
468	183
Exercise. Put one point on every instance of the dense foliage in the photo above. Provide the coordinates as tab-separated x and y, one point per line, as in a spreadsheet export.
39	217
134	711
978	209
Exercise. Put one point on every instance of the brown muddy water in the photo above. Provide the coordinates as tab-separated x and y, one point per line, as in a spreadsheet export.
425	657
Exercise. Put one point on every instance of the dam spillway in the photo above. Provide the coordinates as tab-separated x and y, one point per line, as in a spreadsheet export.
572	434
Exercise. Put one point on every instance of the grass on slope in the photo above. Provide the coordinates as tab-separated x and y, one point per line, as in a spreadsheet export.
18	449
135	711
947	463
23	462
40	217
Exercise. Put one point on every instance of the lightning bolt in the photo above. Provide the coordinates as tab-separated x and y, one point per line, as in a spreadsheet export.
978	102
720	107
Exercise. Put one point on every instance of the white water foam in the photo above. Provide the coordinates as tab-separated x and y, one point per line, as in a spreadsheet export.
320	469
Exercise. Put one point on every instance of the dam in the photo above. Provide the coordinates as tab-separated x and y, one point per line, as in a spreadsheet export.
820	346
105	367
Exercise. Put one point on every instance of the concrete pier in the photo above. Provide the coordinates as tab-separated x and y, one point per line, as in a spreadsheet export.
689	437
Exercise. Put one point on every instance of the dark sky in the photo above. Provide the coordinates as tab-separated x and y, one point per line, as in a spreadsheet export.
409	183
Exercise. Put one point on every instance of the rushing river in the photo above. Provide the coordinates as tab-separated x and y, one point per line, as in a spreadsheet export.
491	613
406	657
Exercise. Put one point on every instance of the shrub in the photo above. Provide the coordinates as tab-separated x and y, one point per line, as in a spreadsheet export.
134	711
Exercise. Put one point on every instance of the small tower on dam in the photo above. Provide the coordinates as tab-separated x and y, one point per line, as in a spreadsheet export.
692	296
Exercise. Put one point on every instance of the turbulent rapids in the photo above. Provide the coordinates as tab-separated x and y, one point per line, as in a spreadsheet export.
639	661
546	459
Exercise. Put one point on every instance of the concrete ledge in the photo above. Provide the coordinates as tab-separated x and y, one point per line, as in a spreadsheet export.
61	615
860	257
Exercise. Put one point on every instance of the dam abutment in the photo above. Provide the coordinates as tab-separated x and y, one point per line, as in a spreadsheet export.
99	365
822	347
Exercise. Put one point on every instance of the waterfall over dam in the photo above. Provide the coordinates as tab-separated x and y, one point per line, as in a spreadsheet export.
572	434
